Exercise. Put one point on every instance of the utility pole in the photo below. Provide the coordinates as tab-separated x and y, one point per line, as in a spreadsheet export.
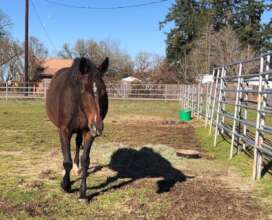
26	43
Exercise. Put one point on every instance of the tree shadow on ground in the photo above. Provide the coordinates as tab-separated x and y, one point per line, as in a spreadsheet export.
131	165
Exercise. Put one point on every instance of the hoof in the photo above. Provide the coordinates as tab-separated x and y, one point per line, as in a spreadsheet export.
83	200
66	187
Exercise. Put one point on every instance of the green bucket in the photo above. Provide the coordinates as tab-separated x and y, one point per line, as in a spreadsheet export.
185	115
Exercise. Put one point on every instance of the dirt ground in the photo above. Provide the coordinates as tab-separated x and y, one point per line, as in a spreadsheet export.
206	192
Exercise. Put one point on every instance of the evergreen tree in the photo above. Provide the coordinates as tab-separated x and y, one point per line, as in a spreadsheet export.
221	13
267	36
192	18
247	23
189	20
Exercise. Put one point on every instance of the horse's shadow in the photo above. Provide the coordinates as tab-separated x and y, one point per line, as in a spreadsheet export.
132	165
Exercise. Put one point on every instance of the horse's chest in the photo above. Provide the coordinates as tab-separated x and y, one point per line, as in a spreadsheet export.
81	120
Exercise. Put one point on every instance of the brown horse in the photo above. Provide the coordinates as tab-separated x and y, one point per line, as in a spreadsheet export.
77	103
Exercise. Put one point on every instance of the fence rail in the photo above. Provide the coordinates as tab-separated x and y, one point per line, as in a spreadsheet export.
18	90
237	104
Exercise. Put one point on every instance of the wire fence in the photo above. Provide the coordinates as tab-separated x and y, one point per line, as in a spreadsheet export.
19	90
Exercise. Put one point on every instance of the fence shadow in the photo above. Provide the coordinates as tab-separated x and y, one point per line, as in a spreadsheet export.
131	165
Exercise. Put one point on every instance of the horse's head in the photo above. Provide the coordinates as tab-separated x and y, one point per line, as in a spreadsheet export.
92	89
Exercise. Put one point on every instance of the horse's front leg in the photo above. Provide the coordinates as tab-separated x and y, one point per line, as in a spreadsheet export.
85	162
65	137
79	140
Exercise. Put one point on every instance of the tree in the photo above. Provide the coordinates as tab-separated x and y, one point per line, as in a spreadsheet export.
225	47
161	72
37	55
267	38
14	67
5	23
10	52
81	48
5	40
248	23
120	63
194	19
66	52
221	13
10	60
189	20
143	63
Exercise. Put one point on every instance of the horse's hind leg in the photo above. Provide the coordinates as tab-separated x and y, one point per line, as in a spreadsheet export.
65	137
85	162
79	140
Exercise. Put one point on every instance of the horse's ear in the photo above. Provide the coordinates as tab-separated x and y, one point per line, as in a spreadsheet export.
83	66
104	66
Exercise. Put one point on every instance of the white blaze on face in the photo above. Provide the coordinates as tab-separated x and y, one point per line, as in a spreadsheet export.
95	94
94	88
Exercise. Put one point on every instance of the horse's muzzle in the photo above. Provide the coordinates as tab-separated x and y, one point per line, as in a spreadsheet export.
95	130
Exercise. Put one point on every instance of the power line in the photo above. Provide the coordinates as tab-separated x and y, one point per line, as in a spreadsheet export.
105	8
43	26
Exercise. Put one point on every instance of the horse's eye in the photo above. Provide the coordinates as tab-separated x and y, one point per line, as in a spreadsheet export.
94	88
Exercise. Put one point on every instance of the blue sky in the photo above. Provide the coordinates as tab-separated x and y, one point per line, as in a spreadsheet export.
136	29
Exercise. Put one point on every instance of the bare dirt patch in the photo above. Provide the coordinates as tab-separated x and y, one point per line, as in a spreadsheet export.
33	209
197	198
210	199
169	133
202	195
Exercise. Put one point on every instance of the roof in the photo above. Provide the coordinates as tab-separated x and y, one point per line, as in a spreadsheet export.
131	79
53	65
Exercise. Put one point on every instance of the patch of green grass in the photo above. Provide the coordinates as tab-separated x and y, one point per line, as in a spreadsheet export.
240	161
163	109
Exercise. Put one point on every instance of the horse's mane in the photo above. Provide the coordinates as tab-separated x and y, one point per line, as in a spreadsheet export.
76	64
